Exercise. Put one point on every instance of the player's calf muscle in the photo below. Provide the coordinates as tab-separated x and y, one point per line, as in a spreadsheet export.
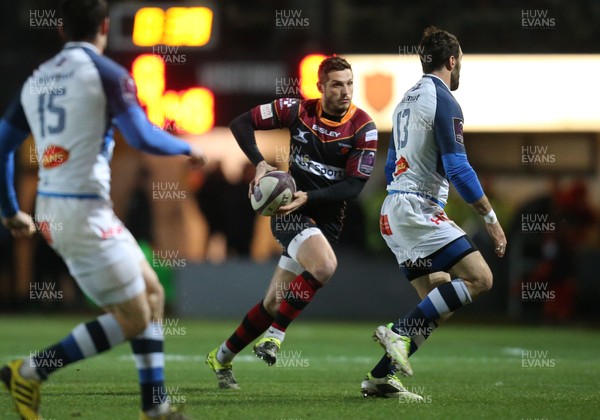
133	316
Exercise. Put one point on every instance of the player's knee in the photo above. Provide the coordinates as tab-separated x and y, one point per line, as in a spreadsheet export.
156	296
484	280
135	325
324	270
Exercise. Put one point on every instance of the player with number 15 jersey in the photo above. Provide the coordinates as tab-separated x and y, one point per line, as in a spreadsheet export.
70	105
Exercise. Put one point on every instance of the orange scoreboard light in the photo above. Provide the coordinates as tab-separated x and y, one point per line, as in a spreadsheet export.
309	67
163	34
175	26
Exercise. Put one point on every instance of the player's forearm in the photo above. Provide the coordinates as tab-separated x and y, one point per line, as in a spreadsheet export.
10	140
463	177
344	190
483	208
243	131
8	196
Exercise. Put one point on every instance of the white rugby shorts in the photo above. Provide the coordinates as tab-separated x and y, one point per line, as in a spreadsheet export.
99	251
415	227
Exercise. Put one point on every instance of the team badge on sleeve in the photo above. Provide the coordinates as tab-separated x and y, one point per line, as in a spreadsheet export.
128	89
366	162
266	111
458	130
371	135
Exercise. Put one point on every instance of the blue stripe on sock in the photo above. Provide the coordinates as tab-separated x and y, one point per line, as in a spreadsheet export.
151	375
428	309
450	296
71	348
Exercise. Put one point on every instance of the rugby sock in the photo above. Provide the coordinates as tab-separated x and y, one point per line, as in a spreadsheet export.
383	367
300	292
148	350
256	321
85	340
441	301
420	322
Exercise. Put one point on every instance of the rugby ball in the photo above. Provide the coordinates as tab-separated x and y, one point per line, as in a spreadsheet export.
273	190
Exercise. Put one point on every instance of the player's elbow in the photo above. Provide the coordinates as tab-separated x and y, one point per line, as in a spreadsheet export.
356	186
243	120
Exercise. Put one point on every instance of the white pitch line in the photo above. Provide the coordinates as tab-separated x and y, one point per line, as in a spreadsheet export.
253	359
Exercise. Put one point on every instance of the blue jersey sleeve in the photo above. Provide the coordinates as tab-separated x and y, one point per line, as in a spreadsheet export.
390	163
128	115
143	135
449	138
13	131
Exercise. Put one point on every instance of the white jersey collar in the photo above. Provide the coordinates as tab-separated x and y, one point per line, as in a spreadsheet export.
437	77
82	44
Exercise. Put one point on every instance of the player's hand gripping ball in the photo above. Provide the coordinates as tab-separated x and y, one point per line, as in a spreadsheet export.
272	191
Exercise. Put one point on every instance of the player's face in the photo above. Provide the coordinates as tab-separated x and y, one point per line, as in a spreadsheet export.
337	92
455	74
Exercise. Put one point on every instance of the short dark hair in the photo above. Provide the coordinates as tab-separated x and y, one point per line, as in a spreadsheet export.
436	47
82	18
333	63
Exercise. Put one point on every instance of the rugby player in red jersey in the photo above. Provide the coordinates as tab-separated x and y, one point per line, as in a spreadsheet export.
332	153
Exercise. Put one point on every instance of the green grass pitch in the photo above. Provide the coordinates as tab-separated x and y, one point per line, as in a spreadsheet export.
463	372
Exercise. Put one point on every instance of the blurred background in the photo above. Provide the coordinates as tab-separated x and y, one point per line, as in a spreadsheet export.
532	128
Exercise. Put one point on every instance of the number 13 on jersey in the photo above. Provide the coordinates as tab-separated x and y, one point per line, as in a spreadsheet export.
402	127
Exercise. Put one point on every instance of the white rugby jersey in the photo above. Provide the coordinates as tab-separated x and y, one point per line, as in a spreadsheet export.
427	124
66	103
69	104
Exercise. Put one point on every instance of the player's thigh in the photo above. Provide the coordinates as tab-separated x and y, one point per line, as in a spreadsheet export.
279	284
101	255
475	272
317	257
304	242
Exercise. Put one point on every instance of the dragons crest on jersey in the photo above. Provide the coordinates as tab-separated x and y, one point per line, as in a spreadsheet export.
54	156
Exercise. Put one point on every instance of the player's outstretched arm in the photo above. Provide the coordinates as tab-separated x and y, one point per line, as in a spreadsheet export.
465	180
141	134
